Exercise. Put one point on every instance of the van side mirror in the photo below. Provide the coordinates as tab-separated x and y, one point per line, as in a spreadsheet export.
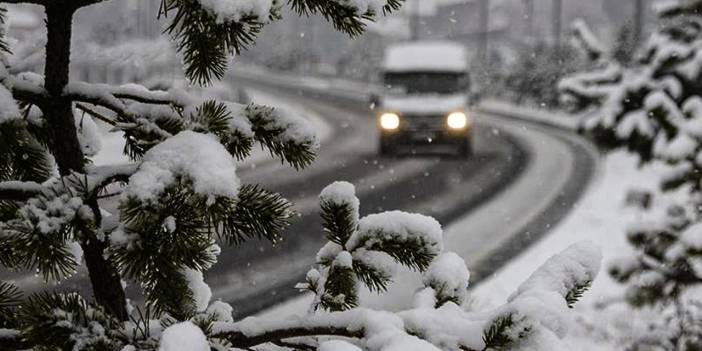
374	101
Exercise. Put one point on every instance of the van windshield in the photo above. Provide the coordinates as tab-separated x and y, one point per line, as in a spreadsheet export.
426	83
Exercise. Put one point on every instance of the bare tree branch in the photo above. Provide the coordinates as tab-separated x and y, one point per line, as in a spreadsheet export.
105	175
96	114
294	346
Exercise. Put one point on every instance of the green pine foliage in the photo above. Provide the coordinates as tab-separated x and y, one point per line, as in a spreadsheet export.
335	281
500	333
205	42
649	107
52	223
47	222
574	295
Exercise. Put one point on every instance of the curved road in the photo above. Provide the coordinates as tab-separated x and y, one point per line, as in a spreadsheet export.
522	179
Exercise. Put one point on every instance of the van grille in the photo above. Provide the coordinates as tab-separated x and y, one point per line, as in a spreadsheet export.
423	122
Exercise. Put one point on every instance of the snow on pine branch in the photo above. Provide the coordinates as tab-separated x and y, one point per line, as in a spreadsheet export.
449	278
570	270
587	40
235	10
536	315
190	156
668	8
148	117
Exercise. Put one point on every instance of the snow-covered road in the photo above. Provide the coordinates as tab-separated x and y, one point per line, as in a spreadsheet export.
524	178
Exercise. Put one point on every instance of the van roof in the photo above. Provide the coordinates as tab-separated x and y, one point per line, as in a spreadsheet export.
440	56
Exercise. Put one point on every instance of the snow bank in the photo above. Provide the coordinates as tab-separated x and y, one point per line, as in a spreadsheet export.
602	218
197	157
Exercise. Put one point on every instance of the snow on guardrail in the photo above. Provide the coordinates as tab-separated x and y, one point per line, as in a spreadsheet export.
360	91
557	119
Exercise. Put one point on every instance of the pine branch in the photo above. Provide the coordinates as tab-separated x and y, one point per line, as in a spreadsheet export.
61	320
10	298
499	335
333	324
22	156
574	294
26	91
256	213
269	131
339	220
344	18
369	275
96	114
4	47
19	191
204	41
340	291
411	252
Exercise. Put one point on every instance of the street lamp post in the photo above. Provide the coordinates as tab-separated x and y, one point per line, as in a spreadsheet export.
484	32
529	20
557	21
414	20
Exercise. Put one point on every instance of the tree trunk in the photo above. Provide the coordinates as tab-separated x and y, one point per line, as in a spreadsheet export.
65	147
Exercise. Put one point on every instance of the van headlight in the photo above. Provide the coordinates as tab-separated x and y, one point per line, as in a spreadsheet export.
457	120
389	121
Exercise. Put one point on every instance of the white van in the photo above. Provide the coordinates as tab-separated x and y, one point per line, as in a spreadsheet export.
425	97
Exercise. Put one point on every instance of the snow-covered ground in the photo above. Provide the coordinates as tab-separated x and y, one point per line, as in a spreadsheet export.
601	217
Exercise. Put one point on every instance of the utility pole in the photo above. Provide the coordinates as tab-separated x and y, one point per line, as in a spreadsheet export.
557	21
638	21
529	20
414	20
484	31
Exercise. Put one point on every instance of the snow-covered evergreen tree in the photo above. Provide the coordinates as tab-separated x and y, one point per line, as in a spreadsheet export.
179	198
653	108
